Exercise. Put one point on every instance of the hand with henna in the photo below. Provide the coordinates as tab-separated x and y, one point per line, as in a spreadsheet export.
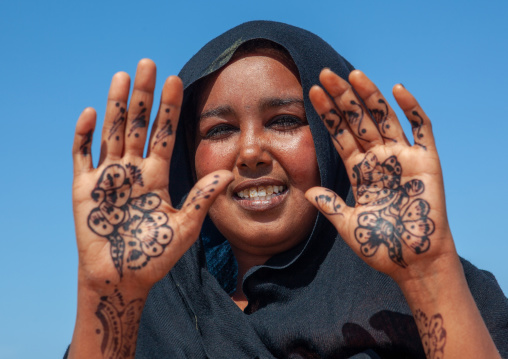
400	216
399	224
128	234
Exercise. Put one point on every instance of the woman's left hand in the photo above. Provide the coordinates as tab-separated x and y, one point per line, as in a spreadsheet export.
399	224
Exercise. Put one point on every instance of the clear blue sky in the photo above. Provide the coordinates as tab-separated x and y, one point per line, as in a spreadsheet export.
57	57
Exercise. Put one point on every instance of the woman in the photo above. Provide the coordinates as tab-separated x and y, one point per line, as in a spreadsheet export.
249	135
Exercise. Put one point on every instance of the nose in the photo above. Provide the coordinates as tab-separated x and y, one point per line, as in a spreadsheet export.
253	151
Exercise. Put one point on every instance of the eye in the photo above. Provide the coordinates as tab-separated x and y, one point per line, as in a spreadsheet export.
219	131
286	123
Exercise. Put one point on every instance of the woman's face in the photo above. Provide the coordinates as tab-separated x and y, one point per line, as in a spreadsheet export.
252	122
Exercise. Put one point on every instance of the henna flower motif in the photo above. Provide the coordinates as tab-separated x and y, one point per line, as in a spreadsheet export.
128	223
393	217
112	193
147	232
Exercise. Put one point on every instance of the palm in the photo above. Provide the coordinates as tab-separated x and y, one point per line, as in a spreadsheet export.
399	216
126	228
122	206
393	206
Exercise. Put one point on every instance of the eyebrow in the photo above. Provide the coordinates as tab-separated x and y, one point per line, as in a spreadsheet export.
220	111
274	102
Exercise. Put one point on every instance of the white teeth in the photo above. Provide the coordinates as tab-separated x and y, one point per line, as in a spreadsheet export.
261	192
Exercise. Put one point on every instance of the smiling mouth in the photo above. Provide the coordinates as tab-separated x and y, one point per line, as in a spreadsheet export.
261	193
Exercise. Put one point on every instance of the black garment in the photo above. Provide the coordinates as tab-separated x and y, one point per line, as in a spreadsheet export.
317	300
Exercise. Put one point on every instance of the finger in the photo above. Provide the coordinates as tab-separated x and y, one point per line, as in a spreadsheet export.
190	218
114	122
356	116
380	111
82	146
332	206
420	123
343	139
162	138
139	108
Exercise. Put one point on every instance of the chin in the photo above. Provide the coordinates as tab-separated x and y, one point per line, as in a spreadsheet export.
266	237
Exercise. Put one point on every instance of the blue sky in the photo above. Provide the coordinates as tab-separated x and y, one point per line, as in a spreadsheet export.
57	57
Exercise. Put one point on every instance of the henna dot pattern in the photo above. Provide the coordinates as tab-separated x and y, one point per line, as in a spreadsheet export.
333	120
394	217
163	133
380	116
203	193
417	128
85	146
355	119
118	121
328	203
139	121
123	219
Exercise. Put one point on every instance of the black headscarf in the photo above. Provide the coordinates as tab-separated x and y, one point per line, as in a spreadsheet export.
316	300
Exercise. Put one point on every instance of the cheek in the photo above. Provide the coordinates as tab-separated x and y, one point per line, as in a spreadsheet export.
213	156
300	160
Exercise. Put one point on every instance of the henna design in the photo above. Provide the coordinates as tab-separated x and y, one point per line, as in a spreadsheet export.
85	148
203	193
135	173
393	218
417	128
134	228
432	333
165	131
120	325
139	121
327	203
380	116
355	119
117	122
333	120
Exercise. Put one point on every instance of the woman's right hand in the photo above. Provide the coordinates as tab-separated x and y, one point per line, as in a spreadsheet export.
128	234
127	231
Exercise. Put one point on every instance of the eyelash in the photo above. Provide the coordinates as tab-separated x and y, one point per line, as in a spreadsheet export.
219	131
284	123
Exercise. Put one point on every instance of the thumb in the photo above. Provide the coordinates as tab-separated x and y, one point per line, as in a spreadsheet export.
331	205
199	200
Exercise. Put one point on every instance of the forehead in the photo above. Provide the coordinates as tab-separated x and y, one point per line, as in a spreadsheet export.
263	73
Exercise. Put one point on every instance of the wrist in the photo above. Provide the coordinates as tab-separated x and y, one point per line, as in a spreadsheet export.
106	316
95	287
434	282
